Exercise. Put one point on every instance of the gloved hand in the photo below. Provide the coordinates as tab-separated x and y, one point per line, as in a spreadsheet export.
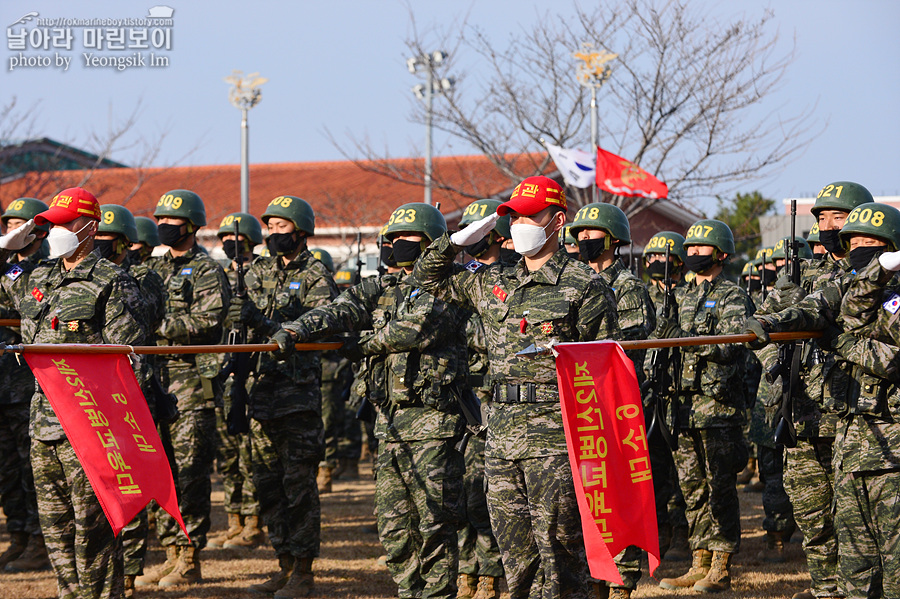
285	340
235	315
787	294
754	326
19	237
890	261
667	328
475	232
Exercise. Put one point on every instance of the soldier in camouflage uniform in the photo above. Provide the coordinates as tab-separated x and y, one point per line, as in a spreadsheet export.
818	250
710	407
285	401
809	473
233	454
601	229
480	566
148	238
97	303
26	548
418	490
197	298
670	506
544	298
568	242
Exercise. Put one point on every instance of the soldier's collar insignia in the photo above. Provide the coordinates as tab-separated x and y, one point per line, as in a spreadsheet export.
499	293
893	304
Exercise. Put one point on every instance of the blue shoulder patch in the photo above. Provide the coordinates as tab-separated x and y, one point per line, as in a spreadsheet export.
710	304
414	293
14	272
186	271
473	265
294	285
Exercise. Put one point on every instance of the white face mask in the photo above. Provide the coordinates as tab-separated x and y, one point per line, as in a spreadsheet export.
529	239
63	243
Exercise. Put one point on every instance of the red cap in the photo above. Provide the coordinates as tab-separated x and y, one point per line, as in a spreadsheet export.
533	195
68	205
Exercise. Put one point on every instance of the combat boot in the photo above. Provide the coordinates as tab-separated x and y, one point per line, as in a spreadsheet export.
700	565
719	576
807	594
18	541
251	535
466	586
619	593
679	549
300	584
279	579
323	479
149	579
129	586
33	558
187	570
745	475
488	588
235	526
774	551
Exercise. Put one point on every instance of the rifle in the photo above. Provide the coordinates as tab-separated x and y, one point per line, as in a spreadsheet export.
239	364
357	278
788	356
660	380
366	411
762	276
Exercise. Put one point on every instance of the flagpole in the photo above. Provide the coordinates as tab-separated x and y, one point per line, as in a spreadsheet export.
592	72
594	141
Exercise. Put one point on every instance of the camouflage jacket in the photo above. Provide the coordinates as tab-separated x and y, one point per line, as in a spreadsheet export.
815	403
712	393
16	380
153	291
95	302
564	300
634	310
283	293
422	341
197	297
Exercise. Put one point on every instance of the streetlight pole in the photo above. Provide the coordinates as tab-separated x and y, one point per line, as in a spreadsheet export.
593	71
245	94
426	92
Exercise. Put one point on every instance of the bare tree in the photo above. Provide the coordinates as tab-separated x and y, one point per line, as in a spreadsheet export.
683	101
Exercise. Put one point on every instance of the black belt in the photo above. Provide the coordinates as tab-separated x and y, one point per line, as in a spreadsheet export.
525	393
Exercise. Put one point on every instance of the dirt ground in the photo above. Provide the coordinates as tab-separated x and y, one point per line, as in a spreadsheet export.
350	549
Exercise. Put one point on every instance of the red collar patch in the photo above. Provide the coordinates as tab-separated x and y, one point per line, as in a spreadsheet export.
500	293
36	294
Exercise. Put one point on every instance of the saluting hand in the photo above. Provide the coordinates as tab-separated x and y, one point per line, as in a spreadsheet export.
19	237
475	232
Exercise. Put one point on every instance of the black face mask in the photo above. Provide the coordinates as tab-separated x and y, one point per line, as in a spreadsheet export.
508	256
590	249
282	244
754	285
387	256
699	264
107	247
406	252
479	247
657	270
171	235
861	257
228	247
832	241
135	256
818	256
769	277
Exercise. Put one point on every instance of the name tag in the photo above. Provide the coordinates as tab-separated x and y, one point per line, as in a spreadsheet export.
710	304
186	271
294	285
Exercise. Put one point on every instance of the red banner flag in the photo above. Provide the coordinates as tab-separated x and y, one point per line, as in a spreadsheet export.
607	442
624	178
106	419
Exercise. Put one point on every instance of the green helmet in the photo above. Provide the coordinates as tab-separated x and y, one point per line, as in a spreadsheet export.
323	257
875	220
118	220
711	232
778	251
749	270
658	243
293	209
345	276
760	253
147	233
416	218
606	217
565	235
26	209
182	203
841	195
481	208
246	224
813	236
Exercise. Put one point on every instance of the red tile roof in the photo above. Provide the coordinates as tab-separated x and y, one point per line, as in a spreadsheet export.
343	194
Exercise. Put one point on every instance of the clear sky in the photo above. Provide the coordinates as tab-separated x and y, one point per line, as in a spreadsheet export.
340	64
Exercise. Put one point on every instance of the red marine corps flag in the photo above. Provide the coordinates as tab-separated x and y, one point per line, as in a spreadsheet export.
624	178
107	421
607	443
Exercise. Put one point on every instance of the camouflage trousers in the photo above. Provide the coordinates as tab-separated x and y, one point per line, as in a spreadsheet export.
193	438
868	510
86	557
350	444
16	479
233	457
708	461
334	413
670	506
418	507
286	453
534	515
809	482
478	550
779	513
